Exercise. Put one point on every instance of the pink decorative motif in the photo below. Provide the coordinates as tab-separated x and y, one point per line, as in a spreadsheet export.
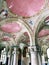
25	8
47	18
6	39
43	33
26	34
11	27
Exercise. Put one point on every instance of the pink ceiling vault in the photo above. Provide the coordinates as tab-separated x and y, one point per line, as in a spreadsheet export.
11	27
25	8
43	32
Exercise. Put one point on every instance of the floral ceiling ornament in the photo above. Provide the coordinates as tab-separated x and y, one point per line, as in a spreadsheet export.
11	27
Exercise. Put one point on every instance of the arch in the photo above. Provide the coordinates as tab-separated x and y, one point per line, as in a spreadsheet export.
40	23
23	23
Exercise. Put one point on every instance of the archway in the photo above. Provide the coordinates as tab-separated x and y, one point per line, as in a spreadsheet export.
19	30
41	36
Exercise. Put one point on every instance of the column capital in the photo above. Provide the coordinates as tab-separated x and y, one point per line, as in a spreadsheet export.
32	48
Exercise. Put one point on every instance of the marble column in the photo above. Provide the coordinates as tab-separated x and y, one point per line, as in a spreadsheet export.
12	58
3	56
9	59
15	57
48	62
43	59
48	55
39	59
34	60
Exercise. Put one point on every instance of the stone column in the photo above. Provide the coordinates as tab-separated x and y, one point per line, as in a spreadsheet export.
48	61
34	60
39	59
9	58
15	57
43	59
48	55
12	59
3	56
